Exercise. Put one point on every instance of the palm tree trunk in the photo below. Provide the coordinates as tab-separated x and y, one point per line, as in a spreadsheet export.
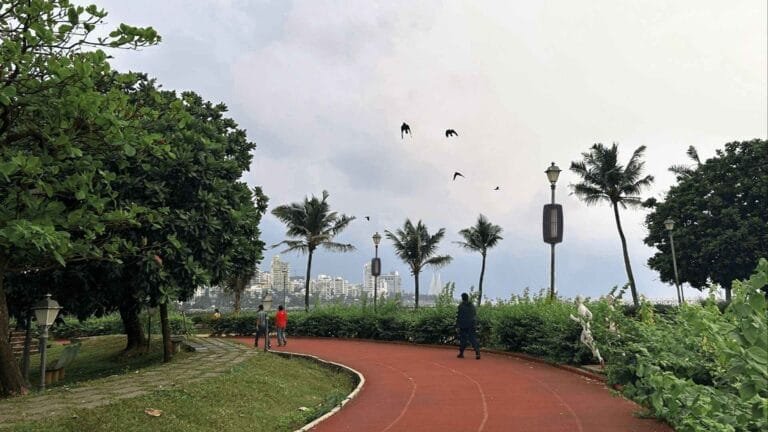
416	285
11	381
480	286
306	282
627	265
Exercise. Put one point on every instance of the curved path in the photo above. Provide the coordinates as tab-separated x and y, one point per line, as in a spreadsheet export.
416	388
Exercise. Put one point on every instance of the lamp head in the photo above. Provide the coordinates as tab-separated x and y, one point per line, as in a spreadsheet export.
46	311
376	238
669	224
553	172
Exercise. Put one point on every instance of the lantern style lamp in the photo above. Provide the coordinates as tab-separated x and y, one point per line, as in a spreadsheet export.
669	224
46	311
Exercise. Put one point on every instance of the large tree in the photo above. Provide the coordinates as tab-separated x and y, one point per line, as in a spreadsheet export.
58	130
604	179
482	236
418	248
311	224
721	217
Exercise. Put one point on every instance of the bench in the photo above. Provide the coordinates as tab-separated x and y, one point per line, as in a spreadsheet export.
56	372
176	341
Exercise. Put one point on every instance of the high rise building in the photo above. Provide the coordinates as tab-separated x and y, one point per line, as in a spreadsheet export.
281	272
389	284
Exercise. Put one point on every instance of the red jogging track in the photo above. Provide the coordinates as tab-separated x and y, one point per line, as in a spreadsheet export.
420	389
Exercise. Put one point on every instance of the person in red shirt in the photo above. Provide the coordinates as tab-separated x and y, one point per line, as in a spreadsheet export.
281	322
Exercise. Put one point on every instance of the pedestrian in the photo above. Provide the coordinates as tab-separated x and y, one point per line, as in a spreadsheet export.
262	328
281	322
216	314
465	324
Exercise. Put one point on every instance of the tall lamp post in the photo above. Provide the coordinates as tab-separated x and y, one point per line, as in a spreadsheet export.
376	267
669	224
553	225
285	286
45	313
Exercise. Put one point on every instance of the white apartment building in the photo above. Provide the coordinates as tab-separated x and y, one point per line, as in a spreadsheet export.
281	274
388	284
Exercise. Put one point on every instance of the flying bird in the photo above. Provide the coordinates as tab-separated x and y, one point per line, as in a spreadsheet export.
457	174
367	218
450	132
496	188
405	129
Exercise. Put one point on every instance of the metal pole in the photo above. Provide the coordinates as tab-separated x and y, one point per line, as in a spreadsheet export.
43	343
285	284
375	280
680	298
552	259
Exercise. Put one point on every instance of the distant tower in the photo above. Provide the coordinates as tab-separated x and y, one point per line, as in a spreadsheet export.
436	286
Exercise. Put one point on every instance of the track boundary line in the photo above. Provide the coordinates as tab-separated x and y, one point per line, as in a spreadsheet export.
408	403
479	388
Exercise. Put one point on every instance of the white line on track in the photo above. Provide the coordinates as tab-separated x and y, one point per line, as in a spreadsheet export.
479	388
410	399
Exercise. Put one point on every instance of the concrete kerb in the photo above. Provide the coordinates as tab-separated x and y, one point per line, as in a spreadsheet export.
332	365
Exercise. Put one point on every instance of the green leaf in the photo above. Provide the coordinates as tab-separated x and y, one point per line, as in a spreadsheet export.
129	150
73	16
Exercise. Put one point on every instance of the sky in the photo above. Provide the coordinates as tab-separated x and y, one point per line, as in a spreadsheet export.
322	88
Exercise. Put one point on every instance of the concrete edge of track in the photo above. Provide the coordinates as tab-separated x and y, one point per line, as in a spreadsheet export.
337	408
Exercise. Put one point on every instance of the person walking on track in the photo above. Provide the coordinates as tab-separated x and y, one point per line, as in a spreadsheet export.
465	323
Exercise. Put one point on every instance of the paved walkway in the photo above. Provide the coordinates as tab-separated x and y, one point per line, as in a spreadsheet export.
412	388
212	358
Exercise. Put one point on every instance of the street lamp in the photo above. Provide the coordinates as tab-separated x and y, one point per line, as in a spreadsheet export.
376	268
553	225
669	224
45	313
285	285
267	302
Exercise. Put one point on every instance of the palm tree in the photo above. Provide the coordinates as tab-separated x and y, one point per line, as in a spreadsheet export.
312	224
416	247
479	238
604	179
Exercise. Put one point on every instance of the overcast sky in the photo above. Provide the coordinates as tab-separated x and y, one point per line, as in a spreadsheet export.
322	87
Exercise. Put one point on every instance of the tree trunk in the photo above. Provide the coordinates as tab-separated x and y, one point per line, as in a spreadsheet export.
238	292
416	286
27	347
626	256
129	314
306	281
480	286
727	294
166	329
11	381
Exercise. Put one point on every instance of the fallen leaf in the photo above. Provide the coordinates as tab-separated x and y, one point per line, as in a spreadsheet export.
303	409
153	412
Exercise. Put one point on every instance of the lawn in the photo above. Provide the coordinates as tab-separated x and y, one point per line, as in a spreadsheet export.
98	357
265	393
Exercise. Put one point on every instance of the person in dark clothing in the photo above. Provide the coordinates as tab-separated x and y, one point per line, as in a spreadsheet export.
465	323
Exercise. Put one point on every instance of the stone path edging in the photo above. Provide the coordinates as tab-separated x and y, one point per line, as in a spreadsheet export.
212	359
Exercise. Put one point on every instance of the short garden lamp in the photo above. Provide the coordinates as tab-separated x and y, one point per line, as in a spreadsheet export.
267	302
46	311
669	224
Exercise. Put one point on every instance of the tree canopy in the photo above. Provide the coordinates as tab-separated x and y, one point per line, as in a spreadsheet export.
720	210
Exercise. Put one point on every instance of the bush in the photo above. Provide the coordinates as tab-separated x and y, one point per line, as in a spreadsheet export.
701	369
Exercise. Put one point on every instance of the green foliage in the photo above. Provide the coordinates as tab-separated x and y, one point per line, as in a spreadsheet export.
311	224
482	236
418	248
605	179
720	210
702	369
111	325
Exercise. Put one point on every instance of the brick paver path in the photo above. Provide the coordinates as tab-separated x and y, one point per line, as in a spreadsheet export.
212	357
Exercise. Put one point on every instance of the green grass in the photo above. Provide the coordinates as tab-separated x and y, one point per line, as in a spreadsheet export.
263	393
98	357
